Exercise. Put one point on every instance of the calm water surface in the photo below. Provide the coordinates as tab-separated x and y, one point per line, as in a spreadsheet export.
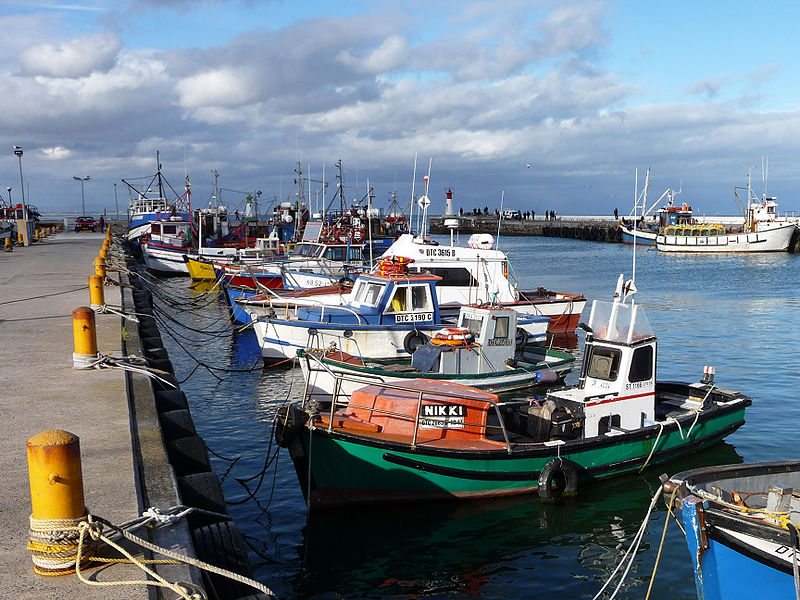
739	313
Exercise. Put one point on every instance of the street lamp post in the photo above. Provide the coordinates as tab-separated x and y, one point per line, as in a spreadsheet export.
8	189
83	204
116	203
18	154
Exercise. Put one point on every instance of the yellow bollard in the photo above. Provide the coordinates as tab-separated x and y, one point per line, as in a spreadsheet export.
99	267
106	246
103	253
96	296
8	247
20	239
35	235
85	337
57	503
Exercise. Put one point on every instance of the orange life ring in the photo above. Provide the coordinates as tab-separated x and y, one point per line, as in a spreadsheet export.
453	336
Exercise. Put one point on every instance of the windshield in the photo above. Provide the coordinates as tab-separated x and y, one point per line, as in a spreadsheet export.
618	322
367	293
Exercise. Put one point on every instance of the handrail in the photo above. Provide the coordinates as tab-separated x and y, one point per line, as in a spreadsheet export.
339	378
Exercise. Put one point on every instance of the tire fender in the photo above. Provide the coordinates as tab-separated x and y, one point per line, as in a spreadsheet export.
554	466
413	340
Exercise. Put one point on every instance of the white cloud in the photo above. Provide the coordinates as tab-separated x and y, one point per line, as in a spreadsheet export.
55	153
383	58
224	87
74	58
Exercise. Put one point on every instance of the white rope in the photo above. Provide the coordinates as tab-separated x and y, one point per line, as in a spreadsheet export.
632	550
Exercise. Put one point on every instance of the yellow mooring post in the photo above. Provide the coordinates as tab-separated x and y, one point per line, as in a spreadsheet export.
8	246
103	253
20	239
99	267
54	470
96	296
85	338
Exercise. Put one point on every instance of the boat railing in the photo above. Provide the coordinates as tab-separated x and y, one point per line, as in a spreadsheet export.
337	403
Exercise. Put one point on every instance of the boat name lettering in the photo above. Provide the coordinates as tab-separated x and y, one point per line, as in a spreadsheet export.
413	317
638	385
500	342
442	416
440	252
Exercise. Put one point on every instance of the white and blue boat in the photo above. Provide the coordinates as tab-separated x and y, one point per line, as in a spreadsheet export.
741	528
390	313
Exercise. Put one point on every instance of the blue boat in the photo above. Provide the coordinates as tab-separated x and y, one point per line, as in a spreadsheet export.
741	528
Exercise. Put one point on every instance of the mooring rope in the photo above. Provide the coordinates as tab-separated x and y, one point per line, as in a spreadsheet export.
64	546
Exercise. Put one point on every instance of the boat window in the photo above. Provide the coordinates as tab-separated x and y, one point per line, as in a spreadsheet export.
398	302
354	254
451	277
155	228
367	293
501	327
420	297
641	364
473	324
170	229
304	250
604	363
335	253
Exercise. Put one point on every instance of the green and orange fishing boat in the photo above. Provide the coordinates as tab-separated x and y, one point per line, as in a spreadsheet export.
429	439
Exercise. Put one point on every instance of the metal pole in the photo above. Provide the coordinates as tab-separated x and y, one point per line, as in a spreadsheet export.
83	204
116	203
18	152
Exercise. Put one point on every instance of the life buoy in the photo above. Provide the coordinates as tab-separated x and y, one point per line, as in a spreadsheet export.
413	340
548	473
453	336
522	338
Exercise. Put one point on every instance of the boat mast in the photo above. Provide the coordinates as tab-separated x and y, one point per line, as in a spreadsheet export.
158	174
413	184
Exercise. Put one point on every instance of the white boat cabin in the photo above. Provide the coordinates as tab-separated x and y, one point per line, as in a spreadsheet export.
174	231
483	342
617	385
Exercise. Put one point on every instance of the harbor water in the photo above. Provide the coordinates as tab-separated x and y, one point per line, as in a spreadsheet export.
738	313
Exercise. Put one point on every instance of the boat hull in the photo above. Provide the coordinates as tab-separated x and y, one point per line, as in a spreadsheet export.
348	468
164	259
643	238
776	239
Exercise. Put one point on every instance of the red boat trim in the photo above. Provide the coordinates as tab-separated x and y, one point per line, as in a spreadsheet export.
619	398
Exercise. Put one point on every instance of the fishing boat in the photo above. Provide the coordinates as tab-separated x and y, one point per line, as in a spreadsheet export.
432	439
478	273
390	313
148	204
645	222
202	263
165	246
763	230
485	350
741	526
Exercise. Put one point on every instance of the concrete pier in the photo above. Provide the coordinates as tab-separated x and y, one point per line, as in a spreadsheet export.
40	286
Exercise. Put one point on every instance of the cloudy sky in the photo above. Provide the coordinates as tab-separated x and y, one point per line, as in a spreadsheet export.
584	92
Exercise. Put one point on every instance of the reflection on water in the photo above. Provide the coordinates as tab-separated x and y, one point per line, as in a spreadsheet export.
737	313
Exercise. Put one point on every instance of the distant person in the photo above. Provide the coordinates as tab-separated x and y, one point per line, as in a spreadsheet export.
533	215
616	215
102	222
486	210
461	212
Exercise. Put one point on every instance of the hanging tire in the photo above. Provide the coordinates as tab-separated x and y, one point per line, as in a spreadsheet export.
554	468
522	339
413	340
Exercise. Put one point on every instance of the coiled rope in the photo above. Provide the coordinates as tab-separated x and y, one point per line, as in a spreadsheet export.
64	546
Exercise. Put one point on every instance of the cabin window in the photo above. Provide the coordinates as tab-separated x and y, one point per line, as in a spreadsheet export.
501	327
608	423
604	363
303	250
420	297
335	253
367	293
170	229
641	364
398	302
155	228
450	277
474	325
354	254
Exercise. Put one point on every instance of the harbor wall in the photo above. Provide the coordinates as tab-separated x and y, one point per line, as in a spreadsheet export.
589	228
